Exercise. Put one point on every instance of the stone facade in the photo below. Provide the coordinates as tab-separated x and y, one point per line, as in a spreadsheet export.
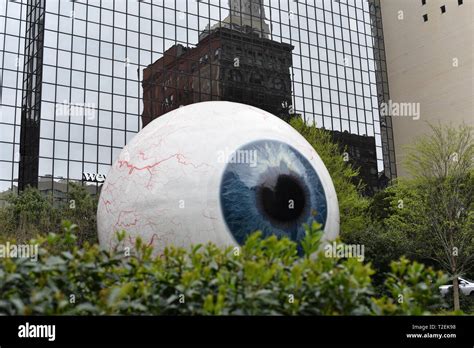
430	66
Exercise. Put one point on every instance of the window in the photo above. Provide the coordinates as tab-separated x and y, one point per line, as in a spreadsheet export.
204	59
460	2
443	9
425	18
423	2
279	84
235	76
256	78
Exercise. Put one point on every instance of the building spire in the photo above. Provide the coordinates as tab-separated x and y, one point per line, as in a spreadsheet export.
246	16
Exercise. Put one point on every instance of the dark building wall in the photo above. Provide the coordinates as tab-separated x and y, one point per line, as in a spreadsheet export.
31	97
225	65
256	71
361	155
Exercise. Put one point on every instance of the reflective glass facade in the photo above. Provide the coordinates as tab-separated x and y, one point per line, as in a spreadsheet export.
92	54
12	46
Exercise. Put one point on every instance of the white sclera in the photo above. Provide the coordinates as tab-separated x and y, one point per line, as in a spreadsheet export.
164	187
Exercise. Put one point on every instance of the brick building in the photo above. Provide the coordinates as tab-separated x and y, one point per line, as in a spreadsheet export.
227	64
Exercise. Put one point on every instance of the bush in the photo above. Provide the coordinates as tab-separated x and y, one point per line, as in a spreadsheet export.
263	277
412	288
26	215
82	209
466	302
31	213
395	228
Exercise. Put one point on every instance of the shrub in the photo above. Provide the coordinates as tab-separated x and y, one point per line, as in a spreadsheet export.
466	302
26	215
82	209
412	288
31	213
264	277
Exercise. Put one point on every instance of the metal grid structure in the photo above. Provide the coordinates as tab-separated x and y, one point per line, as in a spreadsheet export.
383	93
94	53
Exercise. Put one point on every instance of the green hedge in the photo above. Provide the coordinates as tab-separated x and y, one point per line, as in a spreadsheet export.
263	277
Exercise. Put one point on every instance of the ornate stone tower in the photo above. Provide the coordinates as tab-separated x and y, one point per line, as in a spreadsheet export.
246	16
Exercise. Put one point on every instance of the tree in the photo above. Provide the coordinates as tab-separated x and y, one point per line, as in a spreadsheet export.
396	227
81	209
27	214
442	166
447	153
31	213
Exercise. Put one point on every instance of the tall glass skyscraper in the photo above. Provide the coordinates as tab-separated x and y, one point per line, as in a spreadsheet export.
71	74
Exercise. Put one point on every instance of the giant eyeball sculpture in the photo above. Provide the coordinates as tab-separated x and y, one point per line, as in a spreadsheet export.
215	172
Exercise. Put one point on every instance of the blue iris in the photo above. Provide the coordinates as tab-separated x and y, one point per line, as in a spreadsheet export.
270	186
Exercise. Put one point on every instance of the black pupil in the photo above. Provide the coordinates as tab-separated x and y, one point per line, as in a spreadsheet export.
285	202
